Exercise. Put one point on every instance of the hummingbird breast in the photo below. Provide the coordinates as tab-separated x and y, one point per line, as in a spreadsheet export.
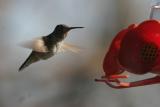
52	43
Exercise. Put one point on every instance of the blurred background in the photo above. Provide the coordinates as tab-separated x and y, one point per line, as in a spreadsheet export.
67	79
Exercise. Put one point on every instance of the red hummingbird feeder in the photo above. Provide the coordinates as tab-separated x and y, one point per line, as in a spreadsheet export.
135	49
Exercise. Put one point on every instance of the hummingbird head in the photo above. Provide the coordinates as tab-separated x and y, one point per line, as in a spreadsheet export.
63	29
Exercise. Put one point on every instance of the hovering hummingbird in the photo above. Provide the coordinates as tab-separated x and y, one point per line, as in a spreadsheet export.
47	46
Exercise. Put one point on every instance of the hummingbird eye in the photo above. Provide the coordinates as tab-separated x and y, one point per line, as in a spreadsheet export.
61	28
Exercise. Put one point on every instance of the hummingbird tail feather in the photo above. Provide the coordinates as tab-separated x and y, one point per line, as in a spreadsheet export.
31	59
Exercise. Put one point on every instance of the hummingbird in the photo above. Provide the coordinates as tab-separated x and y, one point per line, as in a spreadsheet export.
45	47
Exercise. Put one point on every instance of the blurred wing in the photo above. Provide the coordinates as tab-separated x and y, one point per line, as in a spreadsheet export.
69	47
27	44
36	44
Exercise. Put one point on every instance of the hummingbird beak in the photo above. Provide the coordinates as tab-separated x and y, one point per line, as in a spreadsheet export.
75	28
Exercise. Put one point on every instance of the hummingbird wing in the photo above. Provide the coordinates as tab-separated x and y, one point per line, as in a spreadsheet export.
69	47
37	44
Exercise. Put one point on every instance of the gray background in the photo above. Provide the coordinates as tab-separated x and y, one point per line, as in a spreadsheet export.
67	80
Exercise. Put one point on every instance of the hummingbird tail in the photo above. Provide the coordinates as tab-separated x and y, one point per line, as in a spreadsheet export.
31	59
